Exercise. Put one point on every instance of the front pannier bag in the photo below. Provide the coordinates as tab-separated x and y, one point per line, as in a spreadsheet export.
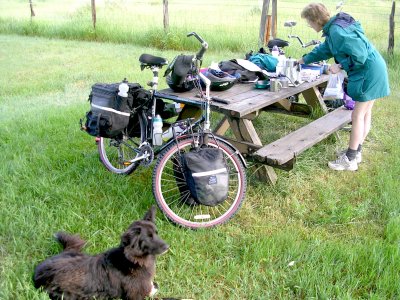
207	175
109	113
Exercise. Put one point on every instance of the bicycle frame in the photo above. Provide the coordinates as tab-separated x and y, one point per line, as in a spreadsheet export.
203	124
153	90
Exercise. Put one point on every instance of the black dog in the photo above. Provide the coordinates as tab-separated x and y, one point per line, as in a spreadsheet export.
125	272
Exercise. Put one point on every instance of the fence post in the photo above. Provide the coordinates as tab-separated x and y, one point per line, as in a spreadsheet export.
166	16
274	19
263	23
31	6
391	29
93	2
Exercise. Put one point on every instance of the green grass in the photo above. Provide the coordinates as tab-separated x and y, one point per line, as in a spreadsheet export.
316	234
339	229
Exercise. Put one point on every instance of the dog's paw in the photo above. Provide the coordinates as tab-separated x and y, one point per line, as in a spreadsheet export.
154	289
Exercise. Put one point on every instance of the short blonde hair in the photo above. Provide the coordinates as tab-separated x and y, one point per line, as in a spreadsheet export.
316	13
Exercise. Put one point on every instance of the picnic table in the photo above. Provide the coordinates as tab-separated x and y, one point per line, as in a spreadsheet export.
242	104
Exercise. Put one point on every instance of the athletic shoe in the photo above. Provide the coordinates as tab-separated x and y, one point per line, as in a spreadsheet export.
343	164
358	155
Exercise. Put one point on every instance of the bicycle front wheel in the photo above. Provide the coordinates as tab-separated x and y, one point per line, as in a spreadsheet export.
173	196
116	153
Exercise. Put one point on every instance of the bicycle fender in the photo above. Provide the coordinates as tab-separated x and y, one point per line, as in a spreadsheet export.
234	148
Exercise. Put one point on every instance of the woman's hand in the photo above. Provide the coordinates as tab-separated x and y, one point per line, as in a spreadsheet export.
335	68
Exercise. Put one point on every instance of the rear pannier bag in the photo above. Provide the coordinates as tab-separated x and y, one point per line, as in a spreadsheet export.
207	175
110	113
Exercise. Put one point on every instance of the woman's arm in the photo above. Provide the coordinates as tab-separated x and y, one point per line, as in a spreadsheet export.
321	52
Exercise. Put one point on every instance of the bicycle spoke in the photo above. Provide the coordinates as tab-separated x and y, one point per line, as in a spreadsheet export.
174	197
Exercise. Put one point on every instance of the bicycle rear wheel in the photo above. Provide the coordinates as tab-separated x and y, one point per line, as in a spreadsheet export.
115	153
173	196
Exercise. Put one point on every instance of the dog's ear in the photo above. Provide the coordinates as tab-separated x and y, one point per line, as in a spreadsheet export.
150	215
127	237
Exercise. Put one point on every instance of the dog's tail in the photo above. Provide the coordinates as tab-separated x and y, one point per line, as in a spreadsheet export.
70	242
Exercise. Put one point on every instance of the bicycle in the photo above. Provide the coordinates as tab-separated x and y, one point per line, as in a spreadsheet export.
122	155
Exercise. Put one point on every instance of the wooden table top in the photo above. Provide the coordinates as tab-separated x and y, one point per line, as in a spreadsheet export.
243	98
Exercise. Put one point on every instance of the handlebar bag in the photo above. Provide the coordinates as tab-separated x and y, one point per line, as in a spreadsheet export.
207	175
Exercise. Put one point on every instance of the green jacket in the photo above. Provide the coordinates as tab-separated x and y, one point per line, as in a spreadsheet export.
365	67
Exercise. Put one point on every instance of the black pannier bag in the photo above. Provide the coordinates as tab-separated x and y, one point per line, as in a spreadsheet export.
110	113
207	175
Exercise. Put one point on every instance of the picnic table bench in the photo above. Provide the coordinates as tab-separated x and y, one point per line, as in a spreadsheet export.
242	103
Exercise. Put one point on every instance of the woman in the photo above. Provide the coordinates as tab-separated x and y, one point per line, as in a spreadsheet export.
366	70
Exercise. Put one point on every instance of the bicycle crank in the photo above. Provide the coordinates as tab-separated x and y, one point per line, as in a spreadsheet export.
147	154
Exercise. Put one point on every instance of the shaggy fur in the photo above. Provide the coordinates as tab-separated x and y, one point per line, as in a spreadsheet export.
124	272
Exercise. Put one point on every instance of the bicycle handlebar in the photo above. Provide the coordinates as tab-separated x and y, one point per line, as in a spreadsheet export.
204	45
312	42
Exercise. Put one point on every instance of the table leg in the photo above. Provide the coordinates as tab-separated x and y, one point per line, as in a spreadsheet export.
314	98
222	126
244	130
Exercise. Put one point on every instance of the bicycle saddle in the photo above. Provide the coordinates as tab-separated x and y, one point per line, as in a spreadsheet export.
277	42
148	60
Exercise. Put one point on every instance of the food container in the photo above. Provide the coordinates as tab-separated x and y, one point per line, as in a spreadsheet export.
316	67
262	84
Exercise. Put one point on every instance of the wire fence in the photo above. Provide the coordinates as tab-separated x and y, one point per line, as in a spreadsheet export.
236	21
373	15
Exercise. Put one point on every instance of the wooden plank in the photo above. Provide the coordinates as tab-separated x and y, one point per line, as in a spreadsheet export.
291	145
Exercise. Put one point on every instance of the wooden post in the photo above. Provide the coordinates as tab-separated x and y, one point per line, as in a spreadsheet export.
391	29
166	16
94	13
31	6
267	29
274	19
263	23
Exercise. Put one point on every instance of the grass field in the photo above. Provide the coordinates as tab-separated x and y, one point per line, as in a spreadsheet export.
317	234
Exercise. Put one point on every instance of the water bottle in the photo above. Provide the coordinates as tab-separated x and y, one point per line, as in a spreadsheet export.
280	67
275	51
123	88
157	130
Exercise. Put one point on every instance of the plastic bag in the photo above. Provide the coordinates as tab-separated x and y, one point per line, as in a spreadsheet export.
334	89
349	103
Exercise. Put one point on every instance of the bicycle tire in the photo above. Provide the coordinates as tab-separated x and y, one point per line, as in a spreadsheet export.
116	152
171	193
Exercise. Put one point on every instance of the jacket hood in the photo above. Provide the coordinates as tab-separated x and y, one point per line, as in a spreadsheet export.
341	19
